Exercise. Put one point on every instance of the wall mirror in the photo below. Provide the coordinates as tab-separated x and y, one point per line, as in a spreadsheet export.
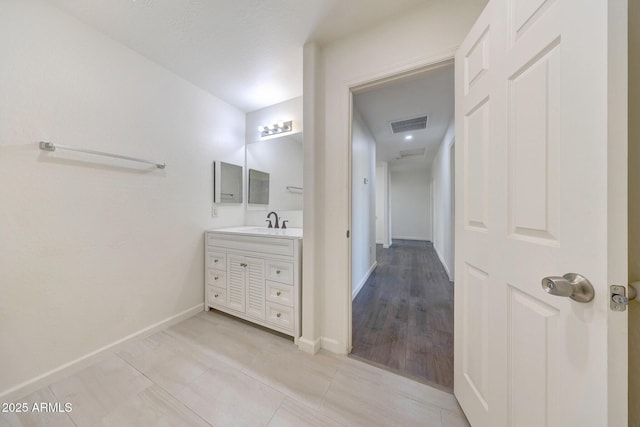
281	159
258	187
227	183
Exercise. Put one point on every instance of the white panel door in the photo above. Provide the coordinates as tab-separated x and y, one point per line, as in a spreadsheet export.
540	191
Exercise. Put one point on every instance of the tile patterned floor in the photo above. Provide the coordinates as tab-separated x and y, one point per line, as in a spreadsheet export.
212	370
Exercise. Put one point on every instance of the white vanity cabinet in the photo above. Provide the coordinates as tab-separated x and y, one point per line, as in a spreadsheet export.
255	274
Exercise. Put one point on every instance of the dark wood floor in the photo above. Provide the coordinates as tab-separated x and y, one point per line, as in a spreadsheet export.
403	316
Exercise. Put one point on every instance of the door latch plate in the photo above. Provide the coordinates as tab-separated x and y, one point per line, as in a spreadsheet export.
618	298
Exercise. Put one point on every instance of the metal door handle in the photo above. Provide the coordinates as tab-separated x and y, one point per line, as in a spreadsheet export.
571	285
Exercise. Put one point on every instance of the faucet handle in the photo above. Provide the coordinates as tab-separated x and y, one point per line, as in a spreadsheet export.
270	225
284	223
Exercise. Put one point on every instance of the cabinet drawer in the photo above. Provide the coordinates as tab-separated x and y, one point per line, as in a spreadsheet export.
280	315
217	278
280	271
216	295
279	293
217	260
268	245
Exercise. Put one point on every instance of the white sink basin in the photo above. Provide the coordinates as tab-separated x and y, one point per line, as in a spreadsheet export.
263	231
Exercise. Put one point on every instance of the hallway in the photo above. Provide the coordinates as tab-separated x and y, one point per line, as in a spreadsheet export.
403	316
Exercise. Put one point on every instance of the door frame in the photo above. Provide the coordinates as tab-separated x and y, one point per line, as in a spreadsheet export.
354	88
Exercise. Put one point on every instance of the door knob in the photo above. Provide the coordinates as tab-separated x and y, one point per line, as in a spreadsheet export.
571	285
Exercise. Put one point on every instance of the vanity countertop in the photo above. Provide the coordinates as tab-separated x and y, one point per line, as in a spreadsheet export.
252	230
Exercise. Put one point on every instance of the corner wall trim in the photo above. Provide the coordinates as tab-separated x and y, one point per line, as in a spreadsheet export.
309	346
358	288
69	368
444	264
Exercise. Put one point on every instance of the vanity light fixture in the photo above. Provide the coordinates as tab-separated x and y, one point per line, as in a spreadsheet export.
276	128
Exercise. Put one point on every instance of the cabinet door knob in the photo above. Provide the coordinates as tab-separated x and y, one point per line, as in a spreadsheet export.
277	271
215	260
278	293
278	315
242	264
215	278
215	296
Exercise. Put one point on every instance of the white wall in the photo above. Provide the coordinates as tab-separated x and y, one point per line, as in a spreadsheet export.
91	249
380	203
383	217
422	36
285	203
442	182
312	262
282	111
410	200
363	210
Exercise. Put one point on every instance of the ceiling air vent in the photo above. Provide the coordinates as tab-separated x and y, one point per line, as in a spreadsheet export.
411	153
416	123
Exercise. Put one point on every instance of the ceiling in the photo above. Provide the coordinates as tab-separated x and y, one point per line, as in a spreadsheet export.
431	94
246	52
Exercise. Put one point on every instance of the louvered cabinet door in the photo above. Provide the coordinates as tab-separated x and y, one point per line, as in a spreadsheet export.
255	287
235	285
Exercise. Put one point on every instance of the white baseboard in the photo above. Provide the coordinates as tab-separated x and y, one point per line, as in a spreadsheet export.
23	389
444	264
383	243
309	346
424	239
332	345
354	291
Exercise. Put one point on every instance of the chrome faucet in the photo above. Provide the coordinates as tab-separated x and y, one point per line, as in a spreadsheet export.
277	224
